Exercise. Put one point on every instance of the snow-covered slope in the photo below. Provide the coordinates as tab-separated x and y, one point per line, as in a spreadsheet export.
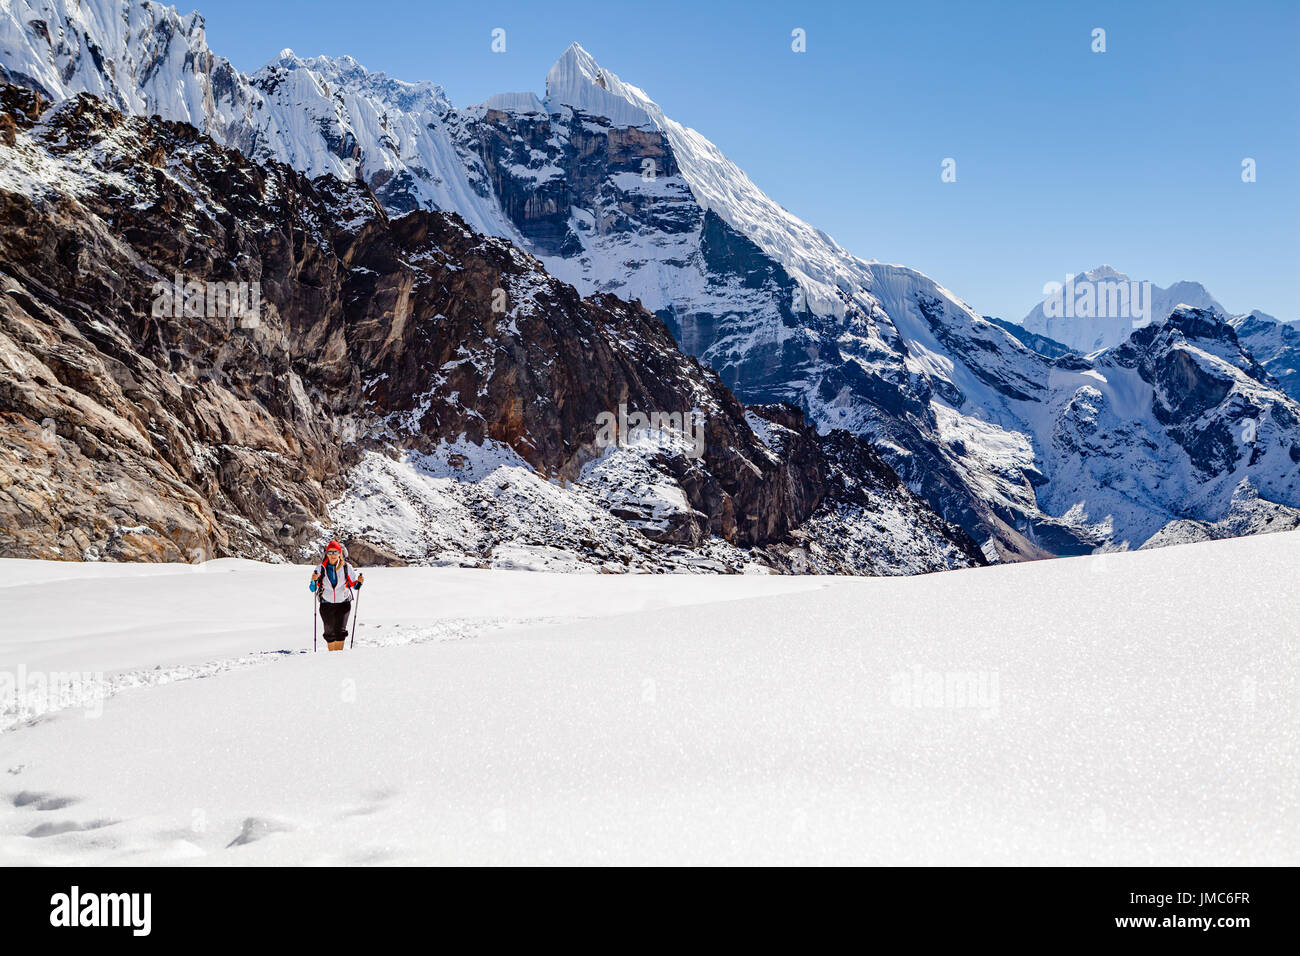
830	276
1275	344
498	717
324	115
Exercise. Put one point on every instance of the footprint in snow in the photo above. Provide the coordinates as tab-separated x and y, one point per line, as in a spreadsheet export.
67	826
43	801
257	828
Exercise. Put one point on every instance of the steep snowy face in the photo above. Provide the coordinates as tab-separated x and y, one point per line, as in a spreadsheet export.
577	81
319	115
332	116
830	277
1100	308
1276	345
142	57
608	209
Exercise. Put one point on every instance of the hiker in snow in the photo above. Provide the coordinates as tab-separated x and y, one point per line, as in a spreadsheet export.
335	583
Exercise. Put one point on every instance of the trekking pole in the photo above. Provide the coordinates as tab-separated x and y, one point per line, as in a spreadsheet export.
313	622
356	613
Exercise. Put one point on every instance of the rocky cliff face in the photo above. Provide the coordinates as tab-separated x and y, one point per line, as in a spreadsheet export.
381	353
135	436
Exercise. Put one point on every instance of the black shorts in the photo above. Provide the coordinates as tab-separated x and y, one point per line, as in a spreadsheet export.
335	619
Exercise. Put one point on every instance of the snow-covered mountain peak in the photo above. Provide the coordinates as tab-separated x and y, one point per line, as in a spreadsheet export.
1099	308
574	63
833	281
287	59
578	81
1104	272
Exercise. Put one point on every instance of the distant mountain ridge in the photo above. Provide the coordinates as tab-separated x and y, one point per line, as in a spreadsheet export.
1088	315
1275	343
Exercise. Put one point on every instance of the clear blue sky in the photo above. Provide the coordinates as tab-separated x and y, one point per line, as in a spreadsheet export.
1066	159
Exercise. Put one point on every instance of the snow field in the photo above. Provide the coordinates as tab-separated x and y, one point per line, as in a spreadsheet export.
1134	708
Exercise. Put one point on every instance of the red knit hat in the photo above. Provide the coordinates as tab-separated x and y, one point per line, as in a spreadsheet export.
333	546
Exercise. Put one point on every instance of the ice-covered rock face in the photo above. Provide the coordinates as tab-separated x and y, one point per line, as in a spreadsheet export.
1276	346
142	57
